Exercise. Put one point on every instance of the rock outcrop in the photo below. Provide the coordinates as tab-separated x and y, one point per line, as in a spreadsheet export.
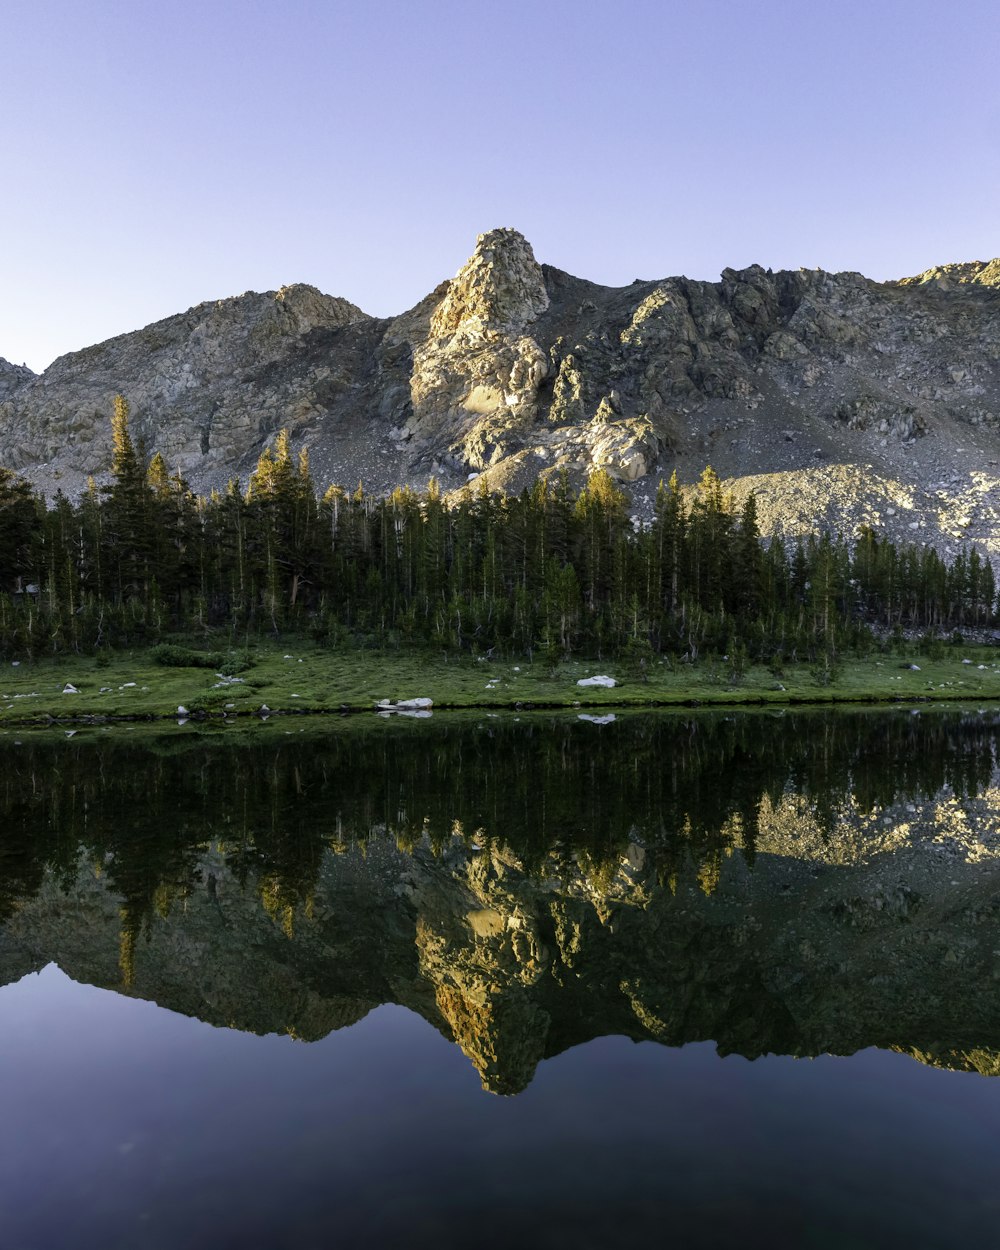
513	369
477	373
983	272
13	377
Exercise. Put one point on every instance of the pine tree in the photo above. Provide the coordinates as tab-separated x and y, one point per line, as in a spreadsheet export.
125	467
128	525
670	530
18	528
710	527
745	596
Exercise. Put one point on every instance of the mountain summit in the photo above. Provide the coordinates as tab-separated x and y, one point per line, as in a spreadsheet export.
499	290
840	400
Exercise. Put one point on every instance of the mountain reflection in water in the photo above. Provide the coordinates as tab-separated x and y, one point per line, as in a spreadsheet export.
794	884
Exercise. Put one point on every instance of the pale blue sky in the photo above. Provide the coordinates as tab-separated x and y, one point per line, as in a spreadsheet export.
158	154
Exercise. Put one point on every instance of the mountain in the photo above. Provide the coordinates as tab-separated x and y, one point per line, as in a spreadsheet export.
840	400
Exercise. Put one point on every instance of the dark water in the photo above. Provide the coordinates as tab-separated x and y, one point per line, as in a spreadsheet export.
705	979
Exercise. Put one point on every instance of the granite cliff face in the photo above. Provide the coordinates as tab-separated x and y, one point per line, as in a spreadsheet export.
839	399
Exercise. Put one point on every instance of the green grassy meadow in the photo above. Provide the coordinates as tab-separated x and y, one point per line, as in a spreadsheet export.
300	677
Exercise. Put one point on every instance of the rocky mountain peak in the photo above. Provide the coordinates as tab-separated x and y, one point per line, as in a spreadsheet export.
308	308
499	289
12	377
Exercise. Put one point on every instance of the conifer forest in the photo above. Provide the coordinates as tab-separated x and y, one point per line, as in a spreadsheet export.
552	572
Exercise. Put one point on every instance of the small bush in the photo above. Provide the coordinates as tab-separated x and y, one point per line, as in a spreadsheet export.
170	656
827	669
238	662
210	699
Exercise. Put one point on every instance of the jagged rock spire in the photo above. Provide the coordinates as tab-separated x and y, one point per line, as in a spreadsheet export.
500	288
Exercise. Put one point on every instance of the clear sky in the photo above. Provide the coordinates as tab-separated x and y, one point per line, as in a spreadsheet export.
156	153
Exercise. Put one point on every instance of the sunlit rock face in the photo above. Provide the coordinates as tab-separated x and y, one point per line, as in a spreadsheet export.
840	400
498	291
477	373
857	907
979	272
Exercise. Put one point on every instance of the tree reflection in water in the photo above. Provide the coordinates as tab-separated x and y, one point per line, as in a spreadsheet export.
797	883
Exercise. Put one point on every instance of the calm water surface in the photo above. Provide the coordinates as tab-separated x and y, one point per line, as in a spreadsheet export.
709	979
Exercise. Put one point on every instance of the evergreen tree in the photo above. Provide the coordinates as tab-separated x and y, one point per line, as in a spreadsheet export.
127	522
18	529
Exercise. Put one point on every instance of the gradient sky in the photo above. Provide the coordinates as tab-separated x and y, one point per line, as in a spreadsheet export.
156	154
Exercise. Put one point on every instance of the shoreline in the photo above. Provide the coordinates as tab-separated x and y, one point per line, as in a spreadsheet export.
743	703
307	682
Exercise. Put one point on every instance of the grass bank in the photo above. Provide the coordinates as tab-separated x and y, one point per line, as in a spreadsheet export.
301	678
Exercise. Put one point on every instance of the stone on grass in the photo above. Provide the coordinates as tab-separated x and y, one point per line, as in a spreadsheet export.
403	705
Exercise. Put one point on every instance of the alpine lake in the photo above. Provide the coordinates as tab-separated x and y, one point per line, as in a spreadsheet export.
693	978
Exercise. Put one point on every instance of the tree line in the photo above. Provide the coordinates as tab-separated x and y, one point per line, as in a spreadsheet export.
554	571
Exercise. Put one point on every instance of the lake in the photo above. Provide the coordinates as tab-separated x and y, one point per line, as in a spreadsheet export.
709	978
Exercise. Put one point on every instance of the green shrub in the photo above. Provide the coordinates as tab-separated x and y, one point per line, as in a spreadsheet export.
170	656
238	662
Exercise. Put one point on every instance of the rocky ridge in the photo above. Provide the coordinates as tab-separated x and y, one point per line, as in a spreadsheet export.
836	398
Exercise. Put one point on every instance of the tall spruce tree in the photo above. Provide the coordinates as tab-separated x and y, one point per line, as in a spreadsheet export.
18	531
128	523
